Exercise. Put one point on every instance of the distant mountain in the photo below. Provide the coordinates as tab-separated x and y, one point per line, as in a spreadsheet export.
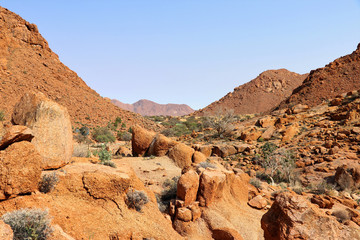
28	64
259	95
150	108
340	76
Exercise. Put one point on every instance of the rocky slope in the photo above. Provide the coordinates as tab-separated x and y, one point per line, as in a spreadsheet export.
28	64
150	108
339	76
259	95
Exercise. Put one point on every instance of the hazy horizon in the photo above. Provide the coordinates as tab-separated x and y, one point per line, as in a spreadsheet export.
190	52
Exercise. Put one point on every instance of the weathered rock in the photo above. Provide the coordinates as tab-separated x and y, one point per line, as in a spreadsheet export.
187	187
258	202
141	140
292	217
160	145
269	132
223	150
184	214
348	177
198	157
299	108
240	148
123	151
51	126
20	170
181	155
211	185
204	149
59	234
6	233
336	102
250	134
15	134
322	202
195	211
266	121
289	133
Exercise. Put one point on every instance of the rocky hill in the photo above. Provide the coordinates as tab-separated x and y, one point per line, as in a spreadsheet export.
28	64
259	95
150	108
339	76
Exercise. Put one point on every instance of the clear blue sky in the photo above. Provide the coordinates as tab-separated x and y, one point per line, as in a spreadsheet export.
190	51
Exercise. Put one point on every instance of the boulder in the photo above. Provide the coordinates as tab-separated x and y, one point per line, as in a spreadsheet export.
299	108
184	214
289	133
348	177
250	135
269	132
51	126
20	170
123	151
141	140
223	150
181	155
6	233
211	186
266	121
258	202
187	187
322	201
204	149
14	134
198	157
160	146
293	217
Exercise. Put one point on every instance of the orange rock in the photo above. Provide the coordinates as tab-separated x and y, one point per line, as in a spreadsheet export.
293	217
6	232
141	140
204	149
250	135
184	214
267	121
289	133
123	151
211	185
15	134
223	150
59	234
51	126
187	187
20	170
322	202
198	157
258	202
181	155
160	145
269	132
348	177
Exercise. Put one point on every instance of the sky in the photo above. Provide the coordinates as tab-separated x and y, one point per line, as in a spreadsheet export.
190	51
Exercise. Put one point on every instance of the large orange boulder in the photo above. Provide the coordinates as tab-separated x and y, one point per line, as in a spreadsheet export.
14	134
141	140
204	149
6	232
181	155
20	170
187	187
224	150
293	217
211	185
198	157
51	126
160	146
348	177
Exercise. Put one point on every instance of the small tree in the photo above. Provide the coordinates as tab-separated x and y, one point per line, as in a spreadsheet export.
221	122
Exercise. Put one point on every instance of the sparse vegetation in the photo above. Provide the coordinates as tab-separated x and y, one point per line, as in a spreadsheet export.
136	199
169	193
221	122
81	150
103	134
105	157
206	165
29	224
124	136
48	182
256	183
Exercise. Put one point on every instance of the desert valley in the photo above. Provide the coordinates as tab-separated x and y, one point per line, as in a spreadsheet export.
277	158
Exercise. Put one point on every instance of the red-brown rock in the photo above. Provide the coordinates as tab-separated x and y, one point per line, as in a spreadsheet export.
223	150
258	202
51	126
198	157
141	140
20	170
187	187
181	155
15	134
348	177
211	185
160	145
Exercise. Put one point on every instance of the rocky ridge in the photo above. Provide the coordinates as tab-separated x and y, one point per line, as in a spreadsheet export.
149	108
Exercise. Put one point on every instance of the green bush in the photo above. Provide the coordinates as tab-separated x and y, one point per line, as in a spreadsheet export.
29	224
105	157
48	182
256	183
124	136
136	199
103	134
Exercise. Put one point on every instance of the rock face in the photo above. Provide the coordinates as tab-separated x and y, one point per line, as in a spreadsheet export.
187	187
150	108
28	64
6	232
51	126
160	145
211	183
20	170
348	177
259	95
292	217
182	155
339	76
15	134
141	140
